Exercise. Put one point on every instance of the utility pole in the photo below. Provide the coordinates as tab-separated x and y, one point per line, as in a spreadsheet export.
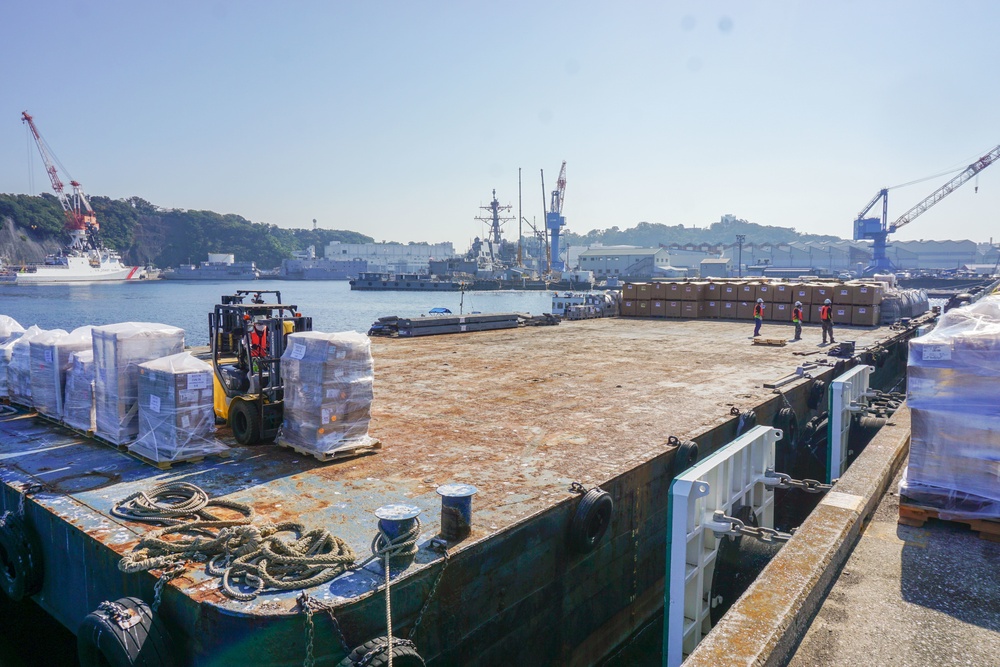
740	239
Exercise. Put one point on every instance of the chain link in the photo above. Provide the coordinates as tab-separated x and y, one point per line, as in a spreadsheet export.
26	490
576	487
311	605
310	660
382	648
738	528
430	596
779	480
165	575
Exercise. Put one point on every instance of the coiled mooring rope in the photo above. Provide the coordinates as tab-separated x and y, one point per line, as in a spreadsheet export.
234	548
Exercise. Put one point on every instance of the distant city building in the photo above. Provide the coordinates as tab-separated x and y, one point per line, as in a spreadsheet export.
391	257
715	267
308	253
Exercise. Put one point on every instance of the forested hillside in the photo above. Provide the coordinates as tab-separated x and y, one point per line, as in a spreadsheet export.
147	234
651	235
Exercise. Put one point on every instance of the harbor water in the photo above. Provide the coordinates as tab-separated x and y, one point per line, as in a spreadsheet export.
332	304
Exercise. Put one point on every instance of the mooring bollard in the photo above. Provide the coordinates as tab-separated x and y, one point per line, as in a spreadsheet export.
397	521
456	511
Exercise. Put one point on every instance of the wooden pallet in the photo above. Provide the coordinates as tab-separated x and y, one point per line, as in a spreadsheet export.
774	342
166	465
917	516
333	456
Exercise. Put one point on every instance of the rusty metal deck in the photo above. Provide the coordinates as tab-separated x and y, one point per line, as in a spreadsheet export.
518	413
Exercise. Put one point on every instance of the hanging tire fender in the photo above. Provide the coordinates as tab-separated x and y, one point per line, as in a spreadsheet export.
685	456
591	520
20	558
374	653
817	394
124	633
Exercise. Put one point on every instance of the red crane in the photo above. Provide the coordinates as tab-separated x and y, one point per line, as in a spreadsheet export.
81	222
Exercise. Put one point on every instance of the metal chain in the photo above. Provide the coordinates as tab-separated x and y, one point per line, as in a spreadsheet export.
784	399
26	490
310	660
738	528
576	487
779	480
382	648
166	575
310	605
430	596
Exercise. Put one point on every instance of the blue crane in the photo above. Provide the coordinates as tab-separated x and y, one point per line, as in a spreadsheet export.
554	220
878	229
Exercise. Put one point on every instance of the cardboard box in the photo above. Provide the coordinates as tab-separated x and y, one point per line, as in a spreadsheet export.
713	292
642	307
843	295
842	314
629	291
747	292
804	294
673	291
659	291
780	312
673	308
693	291
783	293
744	310
712	309
730	291
657	308
865	316
643	291
820	293
728	309
813	312
629	308
692	309
764	291
867	295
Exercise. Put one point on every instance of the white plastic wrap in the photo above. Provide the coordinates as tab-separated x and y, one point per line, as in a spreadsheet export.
50	360
952	391
78	399
9	329
176	417
118	351
6	351
328	391
19	368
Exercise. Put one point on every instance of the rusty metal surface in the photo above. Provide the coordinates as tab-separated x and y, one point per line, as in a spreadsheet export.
518	413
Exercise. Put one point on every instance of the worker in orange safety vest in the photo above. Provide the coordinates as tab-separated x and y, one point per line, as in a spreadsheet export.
797	320
826	320
258	340
758	316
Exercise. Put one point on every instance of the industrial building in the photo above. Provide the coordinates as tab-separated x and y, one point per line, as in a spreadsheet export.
391	257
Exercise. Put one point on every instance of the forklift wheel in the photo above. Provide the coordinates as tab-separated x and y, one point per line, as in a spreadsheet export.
245	422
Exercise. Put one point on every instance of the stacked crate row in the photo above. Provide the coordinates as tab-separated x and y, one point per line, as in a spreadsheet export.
853	303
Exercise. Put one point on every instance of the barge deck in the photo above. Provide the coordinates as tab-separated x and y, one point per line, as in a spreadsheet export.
520	414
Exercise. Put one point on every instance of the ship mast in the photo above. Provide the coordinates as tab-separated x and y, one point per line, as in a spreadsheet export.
81	221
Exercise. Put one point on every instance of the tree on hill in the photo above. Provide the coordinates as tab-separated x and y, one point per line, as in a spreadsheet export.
145	234
651	235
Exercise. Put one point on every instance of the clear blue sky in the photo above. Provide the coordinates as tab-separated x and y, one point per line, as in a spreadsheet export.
397	119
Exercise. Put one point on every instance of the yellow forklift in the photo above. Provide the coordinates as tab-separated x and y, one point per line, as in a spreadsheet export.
248	337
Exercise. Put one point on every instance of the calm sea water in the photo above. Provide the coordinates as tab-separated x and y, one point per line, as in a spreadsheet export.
331	304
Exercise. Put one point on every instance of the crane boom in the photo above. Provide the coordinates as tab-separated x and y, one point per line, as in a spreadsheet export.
554	220
946	189
81	221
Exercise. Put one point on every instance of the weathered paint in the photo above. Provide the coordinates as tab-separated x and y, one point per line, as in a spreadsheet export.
519	414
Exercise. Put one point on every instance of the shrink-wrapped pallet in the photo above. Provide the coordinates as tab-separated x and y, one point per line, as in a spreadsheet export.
6	352
954	405
176	416
9	329
118	351
328	392
19	368
78	398
50	360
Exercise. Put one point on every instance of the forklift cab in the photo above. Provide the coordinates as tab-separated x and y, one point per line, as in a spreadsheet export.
247	341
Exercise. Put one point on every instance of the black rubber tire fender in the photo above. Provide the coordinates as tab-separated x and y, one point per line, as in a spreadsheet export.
746	421
817	392
244	419
788	422
591	520
20	558
100	641
685	456
404	656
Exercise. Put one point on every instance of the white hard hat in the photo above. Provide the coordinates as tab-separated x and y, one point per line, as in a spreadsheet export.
798	303
760	300
828	302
